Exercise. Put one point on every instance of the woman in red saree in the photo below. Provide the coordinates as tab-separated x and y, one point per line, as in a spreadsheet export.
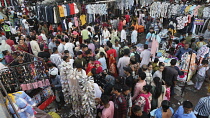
144	99
22	46
112	66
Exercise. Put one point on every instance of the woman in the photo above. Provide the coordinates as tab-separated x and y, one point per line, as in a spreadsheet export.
101	49
117	47
159	72
43	53
165	111
8	57
22	46
114	36
158	92
144	99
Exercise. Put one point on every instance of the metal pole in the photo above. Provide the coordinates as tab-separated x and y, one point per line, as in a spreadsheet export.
4	90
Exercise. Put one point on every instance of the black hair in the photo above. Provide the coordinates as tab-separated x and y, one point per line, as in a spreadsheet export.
142	75
55	49
204	62
57	42
145	46
124	27
201	38
105	99
147	88
187	104
59	36
66	40
88	52
5	52
65	57
173	62
109	44
132	28
66	51
118	88
165	105
136	108
156	60
102	54
125	88
158	87
41	47
93	71
126	51
79	53
182	40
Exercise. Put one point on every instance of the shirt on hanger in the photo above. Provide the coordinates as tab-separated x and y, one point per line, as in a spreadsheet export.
61	11
83	19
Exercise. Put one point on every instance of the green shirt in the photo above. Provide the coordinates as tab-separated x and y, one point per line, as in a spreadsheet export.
84	34
6	28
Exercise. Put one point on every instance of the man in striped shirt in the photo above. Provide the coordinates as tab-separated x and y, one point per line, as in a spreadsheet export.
202	109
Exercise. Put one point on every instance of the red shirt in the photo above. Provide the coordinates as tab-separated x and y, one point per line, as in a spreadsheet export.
127	18
120	26
72	11
10	42
111	52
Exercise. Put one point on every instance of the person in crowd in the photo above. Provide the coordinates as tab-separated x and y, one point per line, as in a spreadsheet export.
102	60
22	46
149	36
138	113
7	56
120	104
123	35
165	111
170	75
98	67
127	94
52	43
129	81
145	55
181	44
34	46
123	61
69	46
84	34
189	38
80	59
200	43
134	36
43	53
61	46
158	92
183	50
202	108
148	78
159	72
139	85
117	47
144	99
201	74
55	57
114	36
185	111
108	111
106	35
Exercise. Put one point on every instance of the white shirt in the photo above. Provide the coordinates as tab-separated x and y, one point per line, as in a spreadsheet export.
56	59
34	47
103	63
123	35
25	23
69	47
106	34
44	37
145	55
97	90
70	25
202	71
61	48
134	35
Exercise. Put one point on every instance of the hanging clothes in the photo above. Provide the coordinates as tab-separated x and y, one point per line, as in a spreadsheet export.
61	11
83	19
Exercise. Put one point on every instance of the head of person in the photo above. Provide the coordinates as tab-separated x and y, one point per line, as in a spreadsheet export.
101	54
146	89
55	50
117	89
188	107
97	64
156	60
157	20
127	70
79	67
116	42
124	27
84	47
142	76
21	41
150	67
109	44
88	53
165	105
119	80
54	38
66	58
57	43
173	62
79	54
151	30
186	46
190	34
144	67
183	40
205	63
161	67
105	101
126	52
5	52
136	109
126	90
53	74
145	46
201	38
66	53
132	28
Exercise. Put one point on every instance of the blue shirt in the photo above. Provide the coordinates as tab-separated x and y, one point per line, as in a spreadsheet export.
180	113
158	112
56	82
181	52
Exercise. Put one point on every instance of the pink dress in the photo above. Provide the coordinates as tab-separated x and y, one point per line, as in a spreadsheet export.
138	89
168	92
108	112
154	46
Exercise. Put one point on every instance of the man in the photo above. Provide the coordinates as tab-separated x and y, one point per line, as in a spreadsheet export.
69	46
61	46
55	57
34	46
145	56
185	111
123	62
207	34
138	113
127	94
52	44
57	87
148	78
129	78
84	34
44	37
123	35
134	35
202	108
120	105
80	60
90	46
170	75
183	50
157	25
108	111
106	35
26	24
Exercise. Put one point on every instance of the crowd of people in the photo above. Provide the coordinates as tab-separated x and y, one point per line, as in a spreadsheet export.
131	84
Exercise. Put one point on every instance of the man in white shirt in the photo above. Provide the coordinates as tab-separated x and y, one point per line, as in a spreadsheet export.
70	25
106	35
70	47
26	24
55	57
61	46
123	34
145	56
44	36
134	35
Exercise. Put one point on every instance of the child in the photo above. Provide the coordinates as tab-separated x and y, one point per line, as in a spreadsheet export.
127	95
168	92
201	74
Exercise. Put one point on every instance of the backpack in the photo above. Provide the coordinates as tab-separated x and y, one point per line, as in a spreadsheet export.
137	57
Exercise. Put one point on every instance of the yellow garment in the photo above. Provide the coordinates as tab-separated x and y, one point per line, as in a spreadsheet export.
61	11
54	115
172	31
83	19
187	9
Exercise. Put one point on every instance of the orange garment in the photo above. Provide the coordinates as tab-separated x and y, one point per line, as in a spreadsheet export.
61	11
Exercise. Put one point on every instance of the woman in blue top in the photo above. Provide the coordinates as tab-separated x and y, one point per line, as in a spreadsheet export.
165	111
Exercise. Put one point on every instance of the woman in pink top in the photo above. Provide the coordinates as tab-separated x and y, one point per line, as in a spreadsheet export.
139	85
108	111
